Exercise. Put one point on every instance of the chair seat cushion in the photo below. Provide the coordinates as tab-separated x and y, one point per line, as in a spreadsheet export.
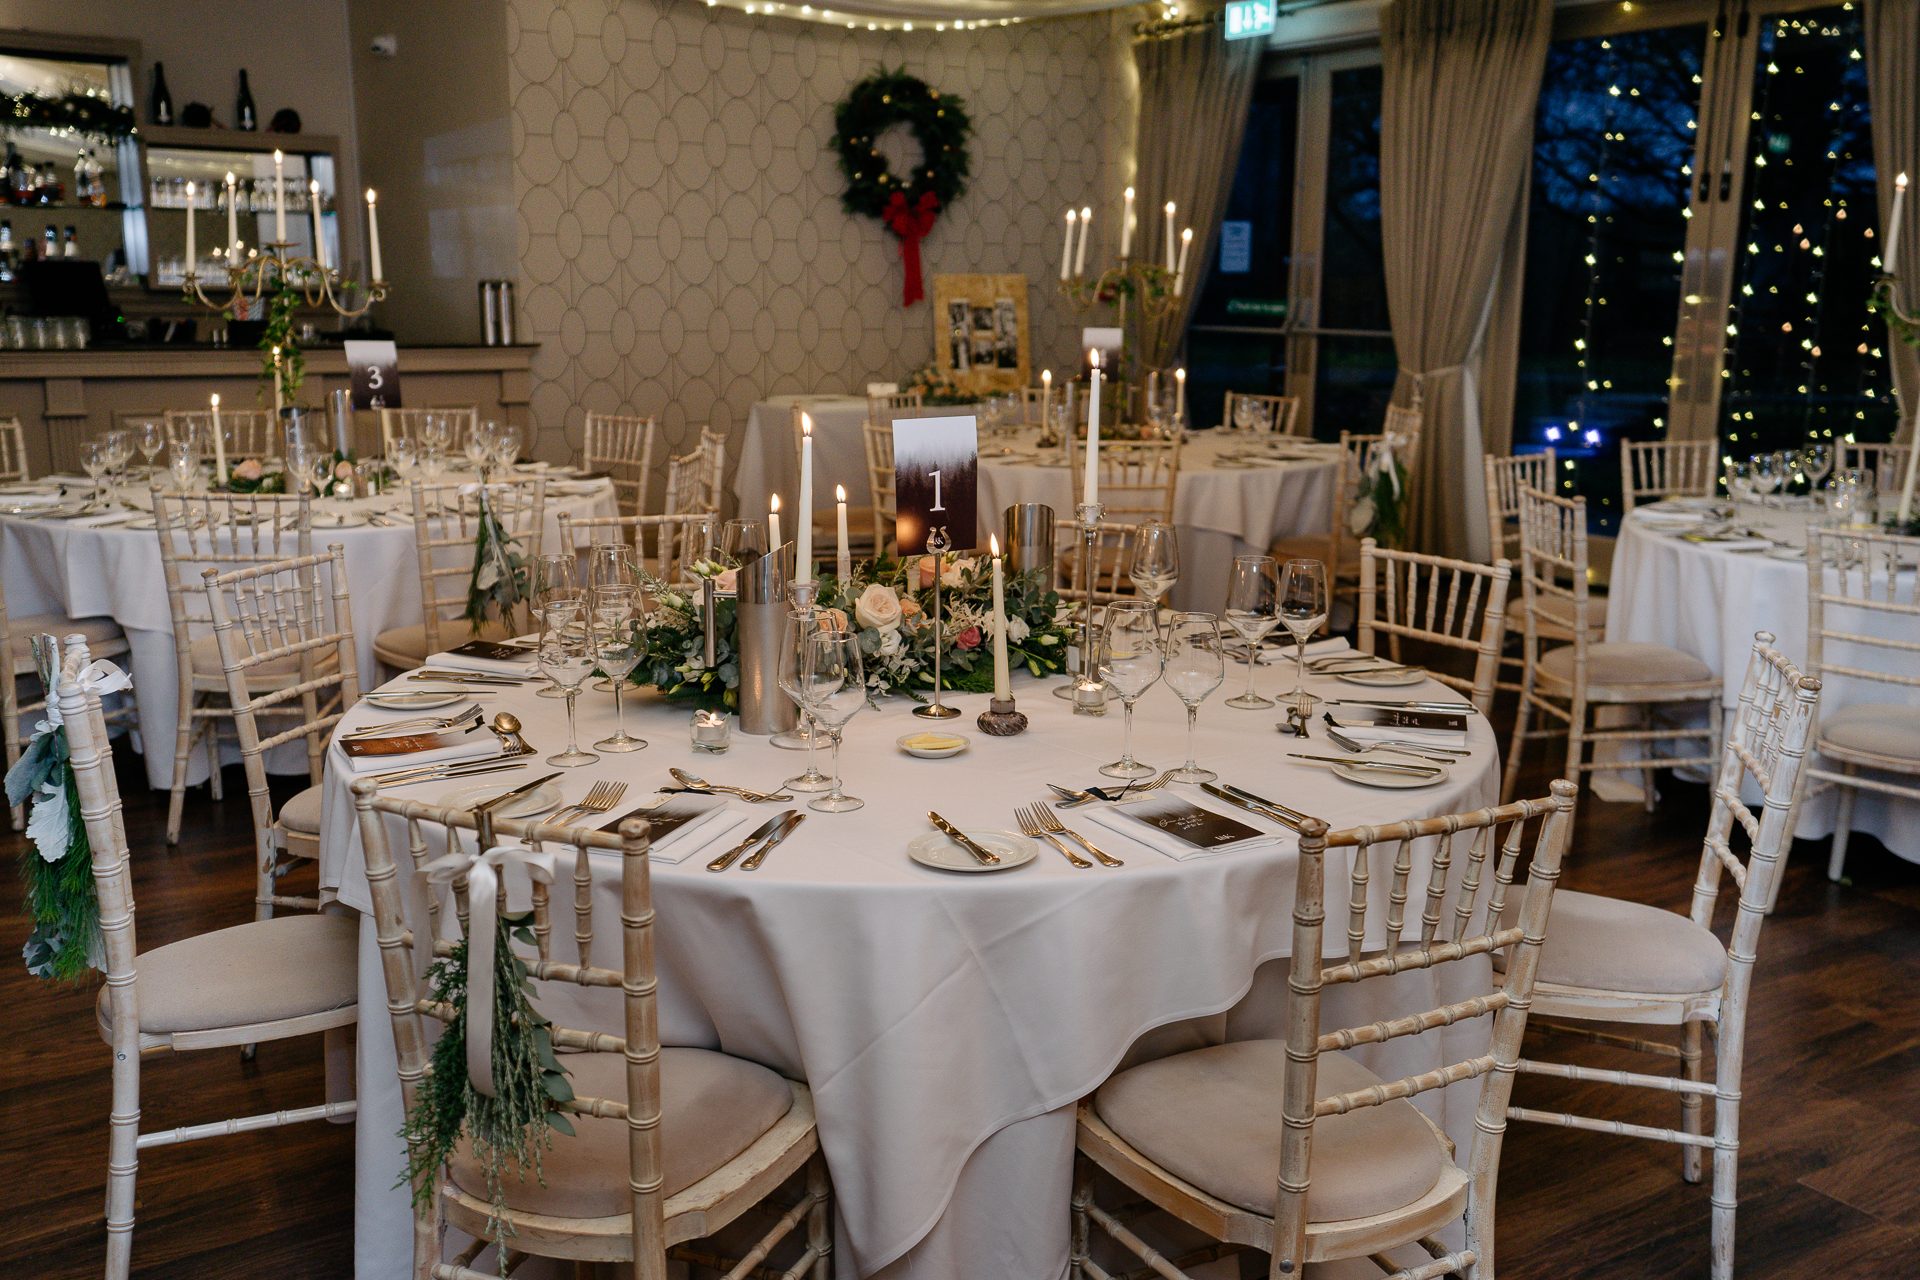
22	630
1876	728
1212	1117
268	675
1559	610
410	642
266	971
712	1107
1610	944
302	812
1627	663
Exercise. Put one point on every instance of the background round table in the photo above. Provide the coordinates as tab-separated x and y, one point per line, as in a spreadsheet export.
946	1023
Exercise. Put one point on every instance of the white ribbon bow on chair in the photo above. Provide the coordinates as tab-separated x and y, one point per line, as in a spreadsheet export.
483	915
99	677
1382	462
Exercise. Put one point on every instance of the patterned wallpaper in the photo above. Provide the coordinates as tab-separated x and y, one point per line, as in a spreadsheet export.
682	247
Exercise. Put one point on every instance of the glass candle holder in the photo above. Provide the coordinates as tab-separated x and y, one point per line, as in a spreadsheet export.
711	732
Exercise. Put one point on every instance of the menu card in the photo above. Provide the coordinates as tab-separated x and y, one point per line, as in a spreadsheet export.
1181	829
404	744
491	651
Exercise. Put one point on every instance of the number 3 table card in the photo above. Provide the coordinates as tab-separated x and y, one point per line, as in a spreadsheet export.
936	464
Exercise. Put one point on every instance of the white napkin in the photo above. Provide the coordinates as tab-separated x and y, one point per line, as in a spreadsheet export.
1282	643
1120	821
487	666
719	827
1734	544
481	744
1397	733
106	518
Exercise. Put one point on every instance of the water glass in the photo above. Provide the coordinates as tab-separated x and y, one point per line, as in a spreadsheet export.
149	436
183	464
1252	611
742	540
566	658
1764	470
1156	560
617	628
794	655
402	453
833	684
1130	660
1195	668
1303	611
96	459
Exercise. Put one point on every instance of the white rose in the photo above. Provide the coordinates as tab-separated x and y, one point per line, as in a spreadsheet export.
1017	630
878	606
890	643
955	571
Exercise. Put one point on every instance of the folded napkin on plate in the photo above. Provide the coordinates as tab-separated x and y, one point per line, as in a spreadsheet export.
409	750
682	825
488	658
1181	829
1730	543
1376	724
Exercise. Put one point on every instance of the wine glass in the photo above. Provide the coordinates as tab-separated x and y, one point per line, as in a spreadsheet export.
149	436
1816	460
506	444
183	464
1195	668
1156	560
119	444
741	540
617	627
610	564
566	657
1740	483
1130	661
1303	611
1252	602
1764	468
478	447
556	598
96	459
833	682
436	429
793	658
403	451
319	471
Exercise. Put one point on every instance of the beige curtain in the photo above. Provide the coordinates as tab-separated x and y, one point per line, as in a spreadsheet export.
1893	89
1194	91
1456	139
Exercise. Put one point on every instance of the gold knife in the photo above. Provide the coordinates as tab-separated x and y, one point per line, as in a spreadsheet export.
1237	802
986	856
486	806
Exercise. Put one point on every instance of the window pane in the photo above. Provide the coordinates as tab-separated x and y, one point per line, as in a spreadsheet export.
1248	282
1353	386
1607	227
1353	288
1807	356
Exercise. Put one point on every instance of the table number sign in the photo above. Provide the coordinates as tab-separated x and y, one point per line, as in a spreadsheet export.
936	464
375	367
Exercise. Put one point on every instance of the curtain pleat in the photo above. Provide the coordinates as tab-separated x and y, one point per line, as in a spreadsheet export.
1893	92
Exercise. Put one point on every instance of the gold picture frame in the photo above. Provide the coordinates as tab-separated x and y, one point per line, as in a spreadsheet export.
980	335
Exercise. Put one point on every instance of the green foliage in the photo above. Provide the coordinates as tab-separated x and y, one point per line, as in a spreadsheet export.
60	897
1881	302
91	117
939	123
498	581
291	369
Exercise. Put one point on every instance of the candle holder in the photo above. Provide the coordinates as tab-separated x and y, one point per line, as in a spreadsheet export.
1901	327
263	272
938	543
1001	719
1088	692
1150	286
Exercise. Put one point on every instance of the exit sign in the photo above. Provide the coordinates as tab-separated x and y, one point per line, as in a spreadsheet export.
1246	18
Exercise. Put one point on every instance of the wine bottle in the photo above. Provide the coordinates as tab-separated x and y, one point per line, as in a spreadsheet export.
161	103
6	251
72	249
244	115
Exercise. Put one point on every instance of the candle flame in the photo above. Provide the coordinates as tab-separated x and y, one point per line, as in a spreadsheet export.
776	502
1072	217
806	425
1187	234
1046	375
189	189
229	177
369	195
839	493
1093	356
993	545
1129	193
1181	374
1086	214
1900	181
216	399
1169	208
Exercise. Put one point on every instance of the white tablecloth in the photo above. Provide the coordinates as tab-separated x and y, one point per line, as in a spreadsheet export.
1707	601
51	566
947	1023
1221	510
768	464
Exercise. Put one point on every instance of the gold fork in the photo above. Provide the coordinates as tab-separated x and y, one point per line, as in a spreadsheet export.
1035	827
600	798
1054	825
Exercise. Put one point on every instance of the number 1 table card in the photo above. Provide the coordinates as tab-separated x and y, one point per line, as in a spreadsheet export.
936	464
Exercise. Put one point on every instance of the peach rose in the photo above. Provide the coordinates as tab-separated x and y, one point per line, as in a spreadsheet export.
343	471
248	470
968	639
878	606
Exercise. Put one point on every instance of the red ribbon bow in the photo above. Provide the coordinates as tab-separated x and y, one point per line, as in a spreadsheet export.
910	224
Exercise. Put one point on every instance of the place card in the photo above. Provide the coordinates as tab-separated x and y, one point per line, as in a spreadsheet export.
1181	829
936	467
491	651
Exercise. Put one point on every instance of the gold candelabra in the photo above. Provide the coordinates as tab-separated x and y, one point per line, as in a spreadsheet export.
1153	288
269	269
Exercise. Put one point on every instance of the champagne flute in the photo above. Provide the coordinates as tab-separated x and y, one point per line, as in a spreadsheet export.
1195	668
1130	661
617	625
566	656
609	564
1156	560
556	599
793	660
1303	611
833	681
1252	607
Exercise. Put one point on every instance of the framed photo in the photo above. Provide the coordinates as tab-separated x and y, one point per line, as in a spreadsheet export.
980	331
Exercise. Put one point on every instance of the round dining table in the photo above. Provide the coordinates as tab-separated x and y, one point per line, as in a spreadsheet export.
107	565
947	1022
1708	595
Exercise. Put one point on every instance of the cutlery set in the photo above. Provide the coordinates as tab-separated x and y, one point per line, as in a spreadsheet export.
773	831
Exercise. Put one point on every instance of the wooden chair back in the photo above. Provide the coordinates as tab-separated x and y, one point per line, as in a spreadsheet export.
686	483
1278	414
1357	455
678	540
253	432
1108	564
1553	564
713	445
881	408
1876	604
881	482
407	422
1888	462
1504	478
222	531
444	527
622	446
1487	844
1667	469
13	451
1453	603
1138	478
269	613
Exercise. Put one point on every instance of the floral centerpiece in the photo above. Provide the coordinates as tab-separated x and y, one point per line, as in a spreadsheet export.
937	386
888	604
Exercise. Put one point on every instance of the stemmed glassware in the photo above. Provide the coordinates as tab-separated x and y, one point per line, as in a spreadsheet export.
403	451
740	540
183	464
610	564
96	459
1130	661
556	597
149	436
617	625
1816	462
1740	482
1764	469
833	682
1156	560
436	429
119	444
793	658
1252	611
506	444
1303	611
1195	668
479	448
566	656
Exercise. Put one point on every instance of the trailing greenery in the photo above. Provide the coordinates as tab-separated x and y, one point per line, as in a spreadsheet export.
939	123
499	578
528	1079
1881	302
56	862
89	116
291	366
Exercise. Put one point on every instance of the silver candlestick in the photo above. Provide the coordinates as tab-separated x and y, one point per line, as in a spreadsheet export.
1088	692
805	736
938	543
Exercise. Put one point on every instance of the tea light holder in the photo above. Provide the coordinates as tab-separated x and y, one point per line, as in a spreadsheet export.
711	732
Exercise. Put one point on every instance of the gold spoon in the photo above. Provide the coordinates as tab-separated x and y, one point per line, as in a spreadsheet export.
507	726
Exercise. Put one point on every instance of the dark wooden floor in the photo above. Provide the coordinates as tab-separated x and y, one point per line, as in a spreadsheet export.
1830	1172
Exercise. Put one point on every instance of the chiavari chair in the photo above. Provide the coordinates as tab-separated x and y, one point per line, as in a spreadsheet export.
1277	414
13	452
254	432
407	422
1667	469
1339	547
1438	600
1108	564
1505	477
622	446
678	540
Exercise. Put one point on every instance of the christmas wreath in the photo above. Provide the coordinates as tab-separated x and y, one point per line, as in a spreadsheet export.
84	114
907	205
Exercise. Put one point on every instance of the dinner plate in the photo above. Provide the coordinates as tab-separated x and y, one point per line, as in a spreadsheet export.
1390	781
1786	553
1382	679
540	800
321	524
142	522
1705	506
413	701
942	852
932	753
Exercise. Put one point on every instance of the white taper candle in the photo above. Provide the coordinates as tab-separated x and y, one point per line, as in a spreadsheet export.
803	558
1090	485
1002	677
